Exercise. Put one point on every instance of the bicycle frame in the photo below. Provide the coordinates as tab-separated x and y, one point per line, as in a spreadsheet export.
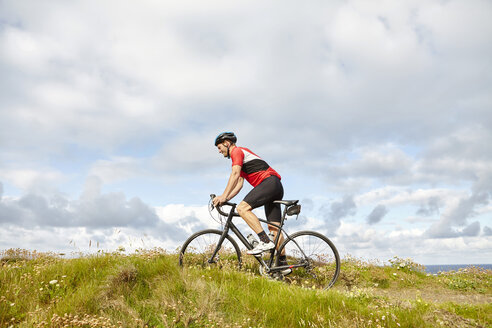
229	225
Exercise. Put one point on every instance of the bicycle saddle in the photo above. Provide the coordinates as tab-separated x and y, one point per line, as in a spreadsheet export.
286	202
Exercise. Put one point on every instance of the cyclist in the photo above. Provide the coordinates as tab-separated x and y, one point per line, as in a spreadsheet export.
267	188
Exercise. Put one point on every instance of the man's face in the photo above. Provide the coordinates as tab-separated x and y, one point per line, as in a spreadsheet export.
223	148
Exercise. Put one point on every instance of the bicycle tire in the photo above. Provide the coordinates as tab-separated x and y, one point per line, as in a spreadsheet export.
198	249
320	256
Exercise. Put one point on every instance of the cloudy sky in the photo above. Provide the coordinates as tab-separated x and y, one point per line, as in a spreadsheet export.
377	115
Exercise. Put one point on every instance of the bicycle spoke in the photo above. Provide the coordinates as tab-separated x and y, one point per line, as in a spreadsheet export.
200	247
318	257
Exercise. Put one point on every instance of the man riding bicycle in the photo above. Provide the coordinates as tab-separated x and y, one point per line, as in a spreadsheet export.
267	188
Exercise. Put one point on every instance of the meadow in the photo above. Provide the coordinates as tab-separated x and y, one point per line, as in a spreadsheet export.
149	289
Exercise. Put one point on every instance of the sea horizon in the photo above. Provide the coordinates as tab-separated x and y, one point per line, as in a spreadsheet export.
436	268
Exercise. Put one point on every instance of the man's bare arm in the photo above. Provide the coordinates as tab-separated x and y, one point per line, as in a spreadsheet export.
237	189
231	184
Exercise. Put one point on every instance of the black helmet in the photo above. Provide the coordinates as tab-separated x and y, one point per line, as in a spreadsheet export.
225	136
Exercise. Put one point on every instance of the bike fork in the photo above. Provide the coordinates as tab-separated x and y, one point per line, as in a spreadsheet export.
219	244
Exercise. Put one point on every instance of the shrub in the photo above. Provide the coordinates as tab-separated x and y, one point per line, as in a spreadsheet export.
407	264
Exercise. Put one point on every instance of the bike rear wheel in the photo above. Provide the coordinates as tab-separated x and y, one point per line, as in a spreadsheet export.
317	255
198	249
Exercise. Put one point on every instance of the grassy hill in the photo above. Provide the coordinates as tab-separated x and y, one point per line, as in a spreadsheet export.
149	289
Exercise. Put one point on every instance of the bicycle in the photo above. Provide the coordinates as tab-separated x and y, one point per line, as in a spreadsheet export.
311	256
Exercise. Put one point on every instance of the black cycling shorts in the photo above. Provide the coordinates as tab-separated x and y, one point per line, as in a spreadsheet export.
264	194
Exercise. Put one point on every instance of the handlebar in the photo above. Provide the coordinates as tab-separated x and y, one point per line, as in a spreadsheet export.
219	209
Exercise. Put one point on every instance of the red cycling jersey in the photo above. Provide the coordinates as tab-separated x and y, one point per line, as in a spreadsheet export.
253	168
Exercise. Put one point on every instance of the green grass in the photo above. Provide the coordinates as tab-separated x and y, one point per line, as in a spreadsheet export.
149	289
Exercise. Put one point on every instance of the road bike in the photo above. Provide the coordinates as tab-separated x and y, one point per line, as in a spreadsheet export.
312	258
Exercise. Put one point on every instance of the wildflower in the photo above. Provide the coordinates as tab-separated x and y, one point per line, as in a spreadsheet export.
52	282
12	304
394	273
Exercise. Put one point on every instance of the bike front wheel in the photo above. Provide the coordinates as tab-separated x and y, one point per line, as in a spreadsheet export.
315	259
199	248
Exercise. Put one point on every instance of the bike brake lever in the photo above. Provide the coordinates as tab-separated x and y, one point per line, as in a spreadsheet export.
212	196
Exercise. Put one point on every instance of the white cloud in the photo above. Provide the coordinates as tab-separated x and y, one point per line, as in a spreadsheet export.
117	169
387	36
39	180
193	152
190	218
398	195
368	243
23	50
93	209
441	18
163	61
388	163
457	216
388	103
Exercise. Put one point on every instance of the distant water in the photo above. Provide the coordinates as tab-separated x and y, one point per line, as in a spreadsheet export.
453	267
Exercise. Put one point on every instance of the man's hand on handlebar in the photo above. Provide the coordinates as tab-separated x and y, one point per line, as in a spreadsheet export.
219	200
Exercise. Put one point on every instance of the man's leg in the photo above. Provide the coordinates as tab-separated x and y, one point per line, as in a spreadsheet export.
273	213
274	231
246	212
262	194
